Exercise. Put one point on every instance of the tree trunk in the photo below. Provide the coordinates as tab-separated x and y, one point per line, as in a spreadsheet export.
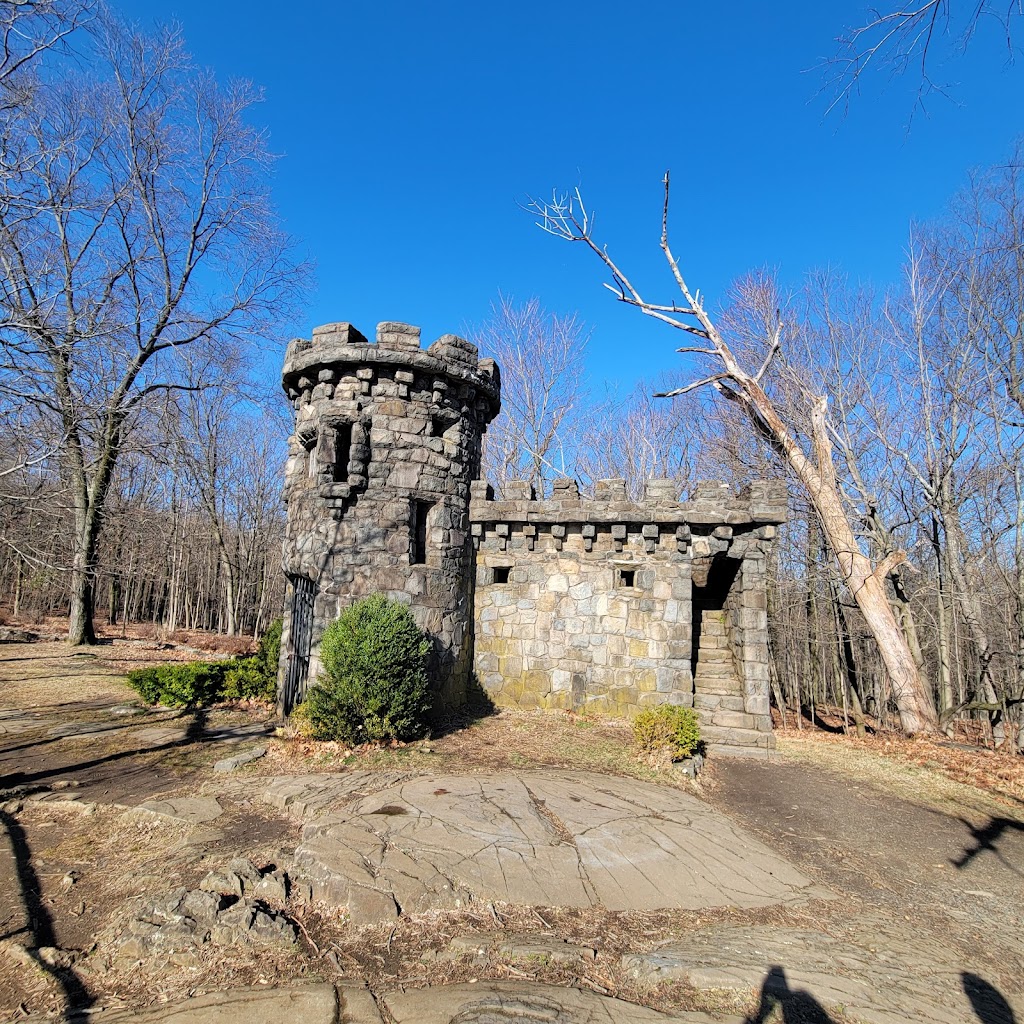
816	674
865	582
83	587
970	606
942	621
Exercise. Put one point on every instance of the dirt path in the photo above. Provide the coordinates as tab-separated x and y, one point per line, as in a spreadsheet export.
953	877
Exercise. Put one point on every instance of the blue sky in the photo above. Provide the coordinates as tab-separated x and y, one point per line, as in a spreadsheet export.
410	132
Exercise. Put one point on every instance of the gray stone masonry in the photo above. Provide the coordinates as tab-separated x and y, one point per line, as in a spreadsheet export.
599	603
386	443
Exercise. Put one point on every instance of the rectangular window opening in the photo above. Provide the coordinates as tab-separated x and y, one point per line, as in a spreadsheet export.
342	452
418	514
501	573
626	577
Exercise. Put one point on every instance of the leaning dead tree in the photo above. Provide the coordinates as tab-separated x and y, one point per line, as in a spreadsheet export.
567	217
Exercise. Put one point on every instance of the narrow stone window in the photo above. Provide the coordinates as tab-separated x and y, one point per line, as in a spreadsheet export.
309	443
501	573
625	578
342	452
419	511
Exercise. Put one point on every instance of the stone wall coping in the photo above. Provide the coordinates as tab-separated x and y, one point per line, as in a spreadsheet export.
340	345
596	512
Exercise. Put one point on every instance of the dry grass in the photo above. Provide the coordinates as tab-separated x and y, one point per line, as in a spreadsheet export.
43	675
504	741
411	952
938	774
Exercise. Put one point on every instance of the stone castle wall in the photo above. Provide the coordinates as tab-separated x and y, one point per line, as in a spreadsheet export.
386	442
601	603
596	603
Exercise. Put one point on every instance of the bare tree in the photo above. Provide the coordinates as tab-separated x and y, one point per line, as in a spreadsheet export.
900	38
28	29
137	240
566	217
543	392
638	438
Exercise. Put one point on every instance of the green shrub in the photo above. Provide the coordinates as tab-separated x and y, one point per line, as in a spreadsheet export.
202	682
668	726
246	679
269	651
180	685
374	685
255	678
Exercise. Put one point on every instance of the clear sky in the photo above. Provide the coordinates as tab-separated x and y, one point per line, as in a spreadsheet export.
409	133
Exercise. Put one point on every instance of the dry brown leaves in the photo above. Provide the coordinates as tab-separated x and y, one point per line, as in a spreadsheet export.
999	775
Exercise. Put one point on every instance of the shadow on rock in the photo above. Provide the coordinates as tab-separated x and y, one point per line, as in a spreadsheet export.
39	931
797	1007
988	1003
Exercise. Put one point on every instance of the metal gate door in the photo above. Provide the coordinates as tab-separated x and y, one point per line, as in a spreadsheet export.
301	640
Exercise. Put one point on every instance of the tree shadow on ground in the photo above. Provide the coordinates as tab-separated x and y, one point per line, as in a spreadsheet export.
819	723
38	929
988	1003
195	733
986	838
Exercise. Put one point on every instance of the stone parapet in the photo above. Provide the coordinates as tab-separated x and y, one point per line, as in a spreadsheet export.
763	502
336	348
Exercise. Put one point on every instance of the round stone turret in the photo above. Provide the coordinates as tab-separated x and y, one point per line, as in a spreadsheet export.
386	443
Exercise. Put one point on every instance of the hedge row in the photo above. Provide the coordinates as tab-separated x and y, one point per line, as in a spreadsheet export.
196	683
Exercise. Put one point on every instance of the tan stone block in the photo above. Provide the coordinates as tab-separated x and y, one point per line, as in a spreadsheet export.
638	649
561	701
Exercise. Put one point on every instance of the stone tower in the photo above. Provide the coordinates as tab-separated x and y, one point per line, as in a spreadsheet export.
386	443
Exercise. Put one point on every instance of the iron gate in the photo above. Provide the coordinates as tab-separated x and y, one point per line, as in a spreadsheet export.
301	640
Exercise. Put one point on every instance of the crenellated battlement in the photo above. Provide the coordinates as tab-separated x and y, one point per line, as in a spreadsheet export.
711	504
337	350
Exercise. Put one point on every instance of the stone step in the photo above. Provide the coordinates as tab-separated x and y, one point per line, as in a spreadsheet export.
728	750
731	719
705	701
718	687
719	678
713	656
718	734
713	629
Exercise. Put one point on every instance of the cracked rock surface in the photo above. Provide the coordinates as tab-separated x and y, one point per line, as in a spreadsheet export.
498	1002
808	970
381	845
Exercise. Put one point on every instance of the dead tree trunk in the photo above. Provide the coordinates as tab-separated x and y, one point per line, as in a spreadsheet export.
568	218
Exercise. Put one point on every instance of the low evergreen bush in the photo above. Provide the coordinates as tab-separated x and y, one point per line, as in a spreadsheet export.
374	685
196	683
180	685
255	678
668	726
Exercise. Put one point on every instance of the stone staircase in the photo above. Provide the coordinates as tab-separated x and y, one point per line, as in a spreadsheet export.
718	696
